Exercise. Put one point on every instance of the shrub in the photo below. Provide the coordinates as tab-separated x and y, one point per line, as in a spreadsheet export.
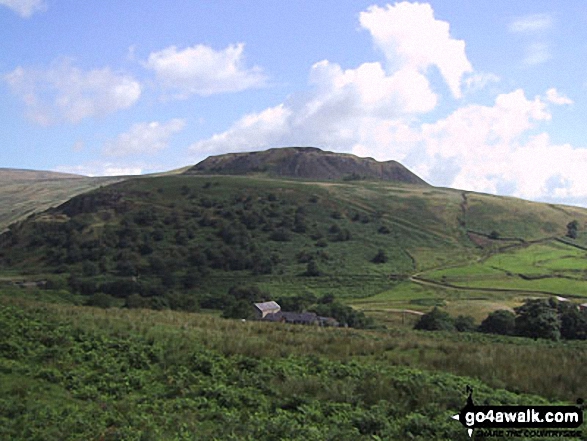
435	320
537	319
465	323
499	322
380	257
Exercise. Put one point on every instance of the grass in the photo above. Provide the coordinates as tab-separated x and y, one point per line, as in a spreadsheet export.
21	198
550	267
516	364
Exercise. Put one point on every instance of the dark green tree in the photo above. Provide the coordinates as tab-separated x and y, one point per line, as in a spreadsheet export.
435	320
380	257
573	322
499	322
572	228
312	269
537	318
465	323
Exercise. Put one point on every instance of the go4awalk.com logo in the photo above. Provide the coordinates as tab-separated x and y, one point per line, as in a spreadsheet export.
522	421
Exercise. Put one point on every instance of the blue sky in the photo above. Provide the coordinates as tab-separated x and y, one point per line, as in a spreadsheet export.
487	96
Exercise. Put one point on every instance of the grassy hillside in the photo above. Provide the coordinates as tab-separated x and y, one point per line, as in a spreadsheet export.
69	373
24	192
183	241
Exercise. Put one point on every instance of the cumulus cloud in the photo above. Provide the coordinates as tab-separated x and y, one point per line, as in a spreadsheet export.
66	93
375	109
345	105
201	70
554	97
409	35
145	137
25	8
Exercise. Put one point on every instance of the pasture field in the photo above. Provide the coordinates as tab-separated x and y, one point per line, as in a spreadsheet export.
543	268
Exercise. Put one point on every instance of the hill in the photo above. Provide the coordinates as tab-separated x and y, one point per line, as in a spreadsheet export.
183	241
24	192
305	163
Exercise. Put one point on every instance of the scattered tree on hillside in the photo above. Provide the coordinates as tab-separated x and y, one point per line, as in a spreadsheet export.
380	257
312	269
572	228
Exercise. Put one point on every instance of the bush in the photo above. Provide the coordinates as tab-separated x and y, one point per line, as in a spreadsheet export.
100	300
435	320
499	322
312	269
465	323
538	319
380	257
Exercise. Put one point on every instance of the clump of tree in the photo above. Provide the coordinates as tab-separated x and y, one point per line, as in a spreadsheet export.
329	306
572	229
549	319
439	320
536	318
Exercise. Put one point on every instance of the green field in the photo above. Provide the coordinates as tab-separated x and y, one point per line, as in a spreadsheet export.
549	267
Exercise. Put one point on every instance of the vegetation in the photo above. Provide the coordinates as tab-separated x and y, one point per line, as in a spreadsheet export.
163	264
84	373
536	318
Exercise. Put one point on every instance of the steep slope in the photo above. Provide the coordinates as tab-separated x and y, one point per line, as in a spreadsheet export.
23	192
185	240
305	163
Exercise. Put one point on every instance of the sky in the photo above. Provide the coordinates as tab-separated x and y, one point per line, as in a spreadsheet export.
485	95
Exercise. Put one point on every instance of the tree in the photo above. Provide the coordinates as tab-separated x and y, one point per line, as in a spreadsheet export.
499	322
435	320
537	318
100	300
573	322
572	228
239	309
380	257
464	323
312	269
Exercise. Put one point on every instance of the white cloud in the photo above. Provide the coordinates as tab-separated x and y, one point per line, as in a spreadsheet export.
346	104
25	8
201	70
409	35
97	168
531	23
374	111
480	80
66	93
144	137
534	26
537	53
554	97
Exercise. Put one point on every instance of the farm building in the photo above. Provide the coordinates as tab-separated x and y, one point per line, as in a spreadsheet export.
262	309
271	312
